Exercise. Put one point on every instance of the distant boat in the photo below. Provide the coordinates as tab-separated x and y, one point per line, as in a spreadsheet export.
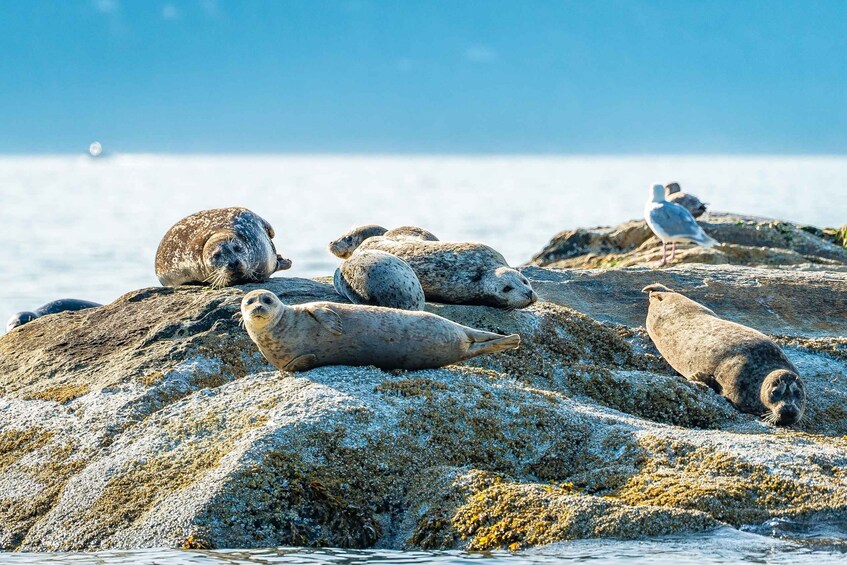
95	149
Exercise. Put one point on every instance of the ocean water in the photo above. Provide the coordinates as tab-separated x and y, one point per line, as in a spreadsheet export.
86	228
725	545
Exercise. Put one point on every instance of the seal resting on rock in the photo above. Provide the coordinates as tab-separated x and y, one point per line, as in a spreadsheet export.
61	305
378	278
345	245
299	338
673	193
220	247
459	273
740	363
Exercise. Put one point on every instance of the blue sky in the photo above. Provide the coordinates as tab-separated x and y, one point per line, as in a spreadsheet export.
406	76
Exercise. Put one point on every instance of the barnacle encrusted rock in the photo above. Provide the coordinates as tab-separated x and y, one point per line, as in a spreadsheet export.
154	421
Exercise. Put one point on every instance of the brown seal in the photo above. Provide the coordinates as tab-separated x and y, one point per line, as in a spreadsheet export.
220	247
740	363
302	337
346	244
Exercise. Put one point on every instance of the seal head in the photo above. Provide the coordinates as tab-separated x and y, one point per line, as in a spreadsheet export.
784	395
507	288
261	308
20	319
345	245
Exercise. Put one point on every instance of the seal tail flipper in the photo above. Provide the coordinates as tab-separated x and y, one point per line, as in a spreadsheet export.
486	342
655	287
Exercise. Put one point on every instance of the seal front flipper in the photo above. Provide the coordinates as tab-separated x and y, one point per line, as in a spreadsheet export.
282	263
327	318
708	380
302	363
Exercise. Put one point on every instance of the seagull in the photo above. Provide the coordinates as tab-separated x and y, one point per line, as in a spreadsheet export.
688	201
671	223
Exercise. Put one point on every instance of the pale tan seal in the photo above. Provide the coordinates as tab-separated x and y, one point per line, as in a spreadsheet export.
378	278
673	193
460	273
220	247
346	244
299	338
738	362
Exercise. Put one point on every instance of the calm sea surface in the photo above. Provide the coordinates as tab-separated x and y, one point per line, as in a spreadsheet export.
722	546
82	228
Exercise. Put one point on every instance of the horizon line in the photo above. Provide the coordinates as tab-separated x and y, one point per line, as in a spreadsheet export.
109	155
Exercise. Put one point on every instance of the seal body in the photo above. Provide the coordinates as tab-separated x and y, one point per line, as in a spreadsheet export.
220	247
61	305
299	338
738	362
378	278
345	245
459	273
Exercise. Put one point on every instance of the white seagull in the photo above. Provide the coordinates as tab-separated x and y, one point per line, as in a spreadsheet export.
672	223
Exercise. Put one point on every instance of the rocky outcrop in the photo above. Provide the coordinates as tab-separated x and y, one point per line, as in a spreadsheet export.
744	240
154	421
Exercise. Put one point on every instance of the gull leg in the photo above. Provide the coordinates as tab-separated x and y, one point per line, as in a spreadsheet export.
664	260
673	251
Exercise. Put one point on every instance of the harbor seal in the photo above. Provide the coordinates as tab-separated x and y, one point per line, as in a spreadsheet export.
378	278
673	193
61	305
345	245
220	247
302	337
460	273
740	363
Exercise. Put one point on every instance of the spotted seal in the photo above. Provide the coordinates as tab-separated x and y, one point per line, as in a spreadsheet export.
61	305
302	337
740	363
346	244
378	278
220	247
459	273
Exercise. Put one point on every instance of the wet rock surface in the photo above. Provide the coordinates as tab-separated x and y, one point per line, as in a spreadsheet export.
154	421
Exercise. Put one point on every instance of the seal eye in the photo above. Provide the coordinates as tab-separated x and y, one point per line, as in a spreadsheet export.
237	248
266	300
508	288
